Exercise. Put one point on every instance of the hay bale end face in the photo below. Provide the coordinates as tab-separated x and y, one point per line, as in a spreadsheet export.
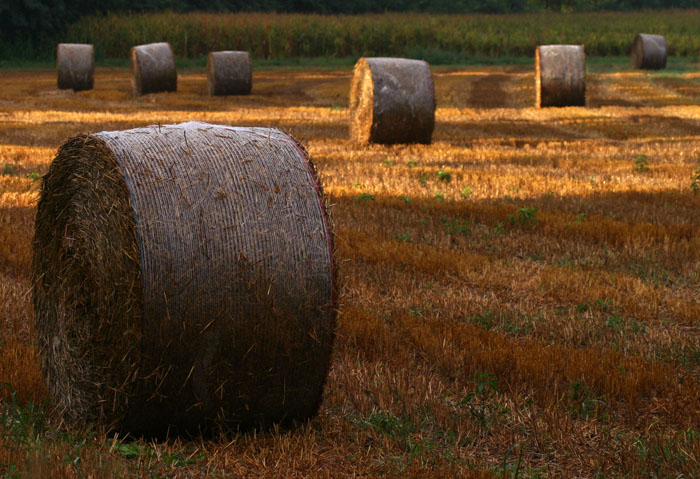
185	291
229	73
392	100
649	52
560	75
75	66
153	68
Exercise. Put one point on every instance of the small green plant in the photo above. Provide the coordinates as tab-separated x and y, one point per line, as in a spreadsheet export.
439	196
443	175
584	404
9	169
388	163
404	237
412	164
455	227
406	199
579	219
524	215
480	402
466	192
641	164
364	197
21	424
34	176
695	181
498	229
423	179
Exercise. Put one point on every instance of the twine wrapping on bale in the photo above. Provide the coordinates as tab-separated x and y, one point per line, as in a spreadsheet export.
75	65
560	75
153	68
229	73
649	51
183	280
392	100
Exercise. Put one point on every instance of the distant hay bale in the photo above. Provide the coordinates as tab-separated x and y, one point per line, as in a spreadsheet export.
183	280
75	65
560	75
392	100
153	68
649	52
229	73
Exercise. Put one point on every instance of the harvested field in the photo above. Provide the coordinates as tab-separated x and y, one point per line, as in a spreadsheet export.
520	298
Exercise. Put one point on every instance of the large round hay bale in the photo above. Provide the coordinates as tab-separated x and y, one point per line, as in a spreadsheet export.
229	73
75	65
392	100
153	68
560	75
649	51
183	280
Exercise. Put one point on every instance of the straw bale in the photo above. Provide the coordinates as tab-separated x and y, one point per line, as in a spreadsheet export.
75	65
153	68
560	75
229	73
649	52
183	280
392	100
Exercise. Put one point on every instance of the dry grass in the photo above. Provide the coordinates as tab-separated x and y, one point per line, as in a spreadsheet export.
519	299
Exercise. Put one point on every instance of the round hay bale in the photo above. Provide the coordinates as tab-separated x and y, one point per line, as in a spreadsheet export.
153	68
392	100
75	65
560	75
649	51
229	73
183	280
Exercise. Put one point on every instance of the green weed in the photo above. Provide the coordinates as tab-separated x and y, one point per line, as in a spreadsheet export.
526	215
641	164
695	181
9	169
364	197
443	175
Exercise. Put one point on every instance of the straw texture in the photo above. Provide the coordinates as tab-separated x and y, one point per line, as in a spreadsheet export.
153	68
560	75
229	73
75	66
392	100
183	280
649	52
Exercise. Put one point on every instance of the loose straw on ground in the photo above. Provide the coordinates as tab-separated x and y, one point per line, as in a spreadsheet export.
229	73
153	68
560	75
649	52
392	100
75	66
183	280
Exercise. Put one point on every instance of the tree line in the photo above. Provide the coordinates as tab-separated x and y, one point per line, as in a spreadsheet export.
26	23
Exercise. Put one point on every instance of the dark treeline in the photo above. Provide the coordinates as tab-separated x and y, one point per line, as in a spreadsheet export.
26	23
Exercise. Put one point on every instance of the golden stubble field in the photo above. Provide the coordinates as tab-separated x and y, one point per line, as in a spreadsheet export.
519	299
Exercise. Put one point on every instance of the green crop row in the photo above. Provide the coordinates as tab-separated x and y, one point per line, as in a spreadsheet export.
278	36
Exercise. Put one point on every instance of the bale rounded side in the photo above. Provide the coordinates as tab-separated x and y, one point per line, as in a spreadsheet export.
152	68
649	51
560	75
75	66
229	73
392	100
183	280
